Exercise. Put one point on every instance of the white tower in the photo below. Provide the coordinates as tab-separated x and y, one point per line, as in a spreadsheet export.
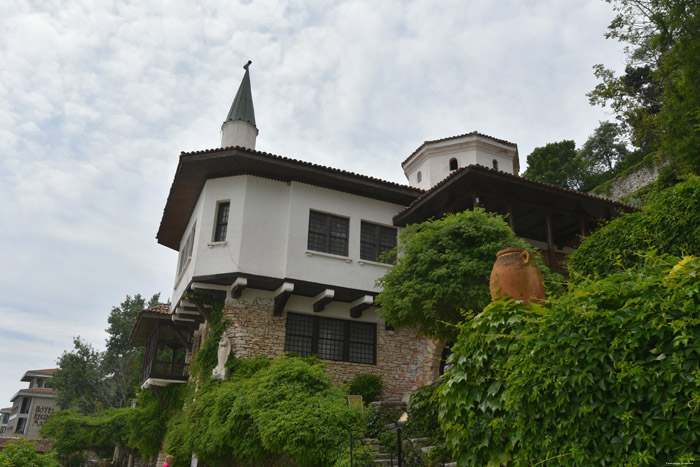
239	128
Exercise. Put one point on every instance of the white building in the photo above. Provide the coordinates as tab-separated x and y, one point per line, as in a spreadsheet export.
31	406
294	247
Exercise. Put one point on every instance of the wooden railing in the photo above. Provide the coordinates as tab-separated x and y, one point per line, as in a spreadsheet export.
555	261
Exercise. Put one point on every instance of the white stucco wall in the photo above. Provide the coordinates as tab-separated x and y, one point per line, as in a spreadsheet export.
433	161
267	233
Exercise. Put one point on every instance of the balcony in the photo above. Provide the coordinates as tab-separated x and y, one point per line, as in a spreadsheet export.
167	342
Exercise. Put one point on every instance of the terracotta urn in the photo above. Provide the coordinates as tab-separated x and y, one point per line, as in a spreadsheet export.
516	275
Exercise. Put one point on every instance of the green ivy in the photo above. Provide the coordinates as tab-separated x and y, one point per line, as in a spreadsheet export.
206	358
286	408
607	375
669	225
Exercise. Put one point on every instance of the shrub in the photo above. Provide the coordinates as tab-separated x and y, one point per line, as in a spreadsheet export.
442	269
423	413
669	225
366	385
22	453
608	375
287	408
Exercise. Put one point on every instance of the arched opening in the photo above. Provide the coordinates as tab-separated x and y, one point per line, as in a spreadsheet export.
453	164
495	164
419	177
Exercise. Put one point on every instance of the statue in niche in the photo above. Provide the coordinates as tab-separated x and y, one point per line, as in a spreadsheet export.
224	349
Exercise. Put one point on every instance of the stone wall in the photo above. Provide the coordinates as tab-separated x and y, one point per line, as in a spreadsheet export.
623	186
405	361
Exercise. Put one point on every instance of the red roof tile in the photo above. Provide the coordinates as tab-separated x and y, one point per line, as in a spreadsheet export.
435	187
309	164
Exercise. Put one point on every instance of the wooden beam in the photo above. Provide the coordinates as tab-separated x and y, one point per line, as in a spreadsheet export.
323	299
238	286
550	240
210	287
360	305
511	217
203	311
282	294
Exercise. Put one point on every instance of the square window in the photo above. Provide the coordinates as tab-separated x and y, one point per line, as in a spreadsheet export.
375	240
328	234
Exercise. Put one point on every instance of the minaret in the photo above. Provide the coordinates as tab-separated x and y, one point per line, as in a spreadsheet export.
239	128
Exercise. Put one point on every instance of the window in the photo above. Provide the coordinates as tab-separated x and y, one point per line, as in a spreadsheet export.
26	401
495	164
453	164
221	221
375	240
20	425
185	252
419	177
331	339
328	234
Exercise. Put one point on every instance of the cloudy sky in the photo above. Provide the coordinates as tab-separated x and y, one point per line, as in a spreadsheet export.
98	98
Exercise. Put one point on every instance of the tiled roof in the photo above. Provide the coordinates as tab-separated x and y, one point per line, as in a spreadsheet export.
7	408
162	309
473	133
306	164
41	390
48	372
624	207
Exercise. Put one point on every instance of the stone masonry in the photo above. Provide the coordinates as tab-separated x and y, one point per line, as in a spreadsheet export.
405	360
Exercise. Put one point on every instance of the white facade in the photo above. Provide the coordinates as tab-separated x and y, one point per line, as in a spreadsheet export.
431	163
267	233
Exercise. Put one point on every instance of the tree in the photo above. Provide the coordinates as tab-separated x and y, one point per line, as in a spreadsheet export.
657	100
442	270
91	380
558	164
603	149
121	361
79	383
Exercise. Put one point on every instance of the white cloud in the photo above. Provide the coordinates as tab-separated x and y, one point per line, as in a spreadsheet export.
97	99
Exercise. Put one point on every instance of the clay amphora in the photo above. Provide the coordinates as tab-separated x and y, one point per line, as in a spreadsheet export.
515	274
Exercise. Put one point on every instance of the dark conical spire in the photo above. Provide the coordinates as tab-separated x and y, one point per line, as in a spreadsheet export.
242	107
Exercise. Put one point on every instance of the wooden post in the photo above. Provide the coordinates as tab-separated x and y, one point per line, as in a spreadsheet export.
550	241
511	217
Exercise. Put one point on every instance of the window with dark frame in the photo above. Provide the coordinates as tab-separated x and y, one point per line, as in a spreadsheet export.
453	164
221	222
331	339
328	233
375	240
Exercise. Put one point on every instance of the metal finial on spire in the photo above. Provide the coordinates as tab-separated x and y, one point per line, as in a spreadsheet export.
245	67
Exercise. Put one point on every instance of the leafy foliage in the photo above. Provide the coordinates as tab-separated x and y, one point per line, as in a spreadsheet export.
93	381
75	433
21	453
657	99
288	408
366	385
670	225
442	269
608	375
558	164
423	407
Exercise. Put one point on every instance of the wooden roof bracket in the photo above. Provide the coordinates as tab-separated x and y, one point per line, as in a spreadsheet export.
360	305
282	294
323	299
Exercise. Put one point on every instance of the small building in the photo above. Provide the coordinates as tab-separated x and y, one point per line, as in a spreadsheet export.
295	249
31	406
